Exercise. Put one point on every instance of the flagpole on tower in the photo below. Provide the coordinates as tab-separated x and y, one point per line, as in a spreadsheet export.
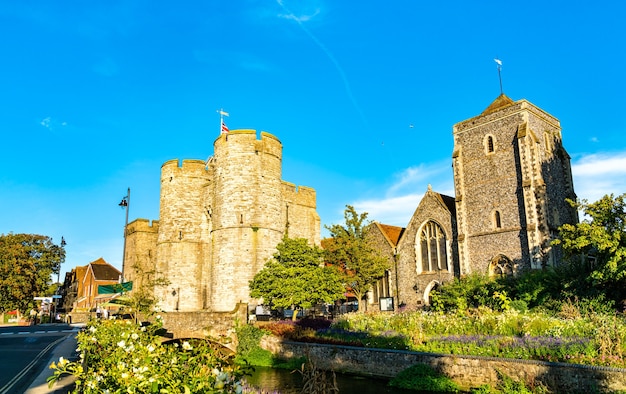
499	65
223	127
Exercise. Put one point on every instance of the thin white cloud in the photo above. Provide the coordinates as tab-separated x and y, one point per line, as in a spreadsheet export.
51	124
396	211
45	122
402	197
300	18
598	174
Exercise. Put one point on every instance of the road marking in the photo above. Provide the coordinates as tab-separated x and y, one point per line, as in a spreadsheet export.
75	329
6	389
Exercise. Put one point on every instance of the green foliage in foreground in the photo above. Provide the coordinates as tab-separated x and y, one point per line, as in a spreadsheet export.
250	352
424	378
600	240
120	356
249	349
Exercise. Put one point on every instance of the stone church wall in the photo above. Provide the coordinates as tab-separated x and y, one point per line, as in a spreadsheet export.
413	288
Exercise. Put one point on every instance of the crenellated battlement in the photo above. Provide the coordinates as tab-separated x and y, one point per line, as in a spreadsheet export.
245	140
301	195
189	167
142	225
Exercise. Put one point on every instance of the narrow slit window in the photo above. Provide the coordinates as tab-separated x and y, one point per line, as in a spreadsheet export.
489	144
497	221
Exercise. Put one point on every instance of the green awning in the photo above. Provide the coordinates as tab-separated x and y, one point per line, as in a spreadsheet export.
116	288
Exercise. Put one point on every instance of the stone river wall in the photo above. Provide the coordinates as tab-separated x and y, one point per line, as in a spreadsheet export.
467	371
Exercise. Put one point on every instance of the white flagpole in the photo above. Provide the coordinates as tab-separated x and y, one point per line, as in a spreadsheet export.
222	114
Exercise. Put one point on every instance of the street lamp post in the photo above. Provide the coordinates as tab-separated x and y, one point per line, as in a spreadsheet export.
125	203
55	300
63	243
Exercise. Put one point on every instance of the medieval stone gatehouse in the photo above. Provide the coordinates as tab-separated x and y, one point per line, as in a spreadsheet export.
220	221
512	177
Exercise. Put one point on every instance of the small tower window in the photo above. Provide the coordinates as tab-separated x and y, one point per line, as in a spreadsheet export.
497	221
489	144
548	140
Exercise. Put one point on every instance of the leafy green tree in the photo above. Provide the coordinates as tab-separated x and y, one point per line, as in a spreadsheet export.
296	277
600	240
27	262
351	250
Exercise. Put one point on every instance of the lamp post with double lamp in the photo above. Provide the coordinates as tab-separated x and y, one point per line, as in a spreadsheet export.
125	203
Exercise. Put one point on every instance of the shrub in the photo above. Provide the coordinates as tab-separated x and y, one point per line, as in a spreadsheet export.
425	378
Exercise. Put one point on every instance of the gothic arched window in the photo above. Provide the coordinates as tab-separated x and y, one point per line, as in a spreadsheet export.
432	248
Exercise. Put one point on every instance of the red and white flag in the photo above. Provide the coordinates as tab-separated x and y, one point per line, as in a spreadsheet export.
224	128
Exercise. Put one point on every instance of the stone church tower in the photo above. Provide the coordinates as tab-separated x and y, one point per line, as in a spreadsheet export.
511	177
220	221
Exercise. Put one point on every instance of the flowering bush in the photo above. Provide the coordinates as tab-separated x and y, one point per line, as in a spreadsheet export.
121	356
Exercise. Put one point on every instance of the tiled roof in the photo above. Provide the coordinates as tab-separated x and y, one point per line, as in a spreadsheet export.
393	233
104	271
449	202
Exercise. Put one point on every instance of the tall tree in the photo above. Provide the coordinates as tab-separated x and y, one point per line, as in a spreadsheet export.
27	262
600	239
296	277
350	250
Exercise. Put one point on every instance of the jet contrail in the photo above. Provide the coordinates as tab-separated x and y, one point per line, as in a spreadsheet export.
346	84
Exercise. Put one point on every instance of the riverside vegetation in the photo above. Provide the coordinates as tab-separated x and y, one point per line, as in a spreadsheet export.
572	313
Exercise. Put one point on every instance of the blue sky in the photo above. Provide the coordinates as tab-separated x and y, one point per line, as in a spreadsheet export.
96	96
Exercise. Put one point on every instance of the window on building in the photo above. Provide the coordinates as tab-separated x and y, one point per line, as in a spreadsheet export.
489	144
432	245
497	222
548	141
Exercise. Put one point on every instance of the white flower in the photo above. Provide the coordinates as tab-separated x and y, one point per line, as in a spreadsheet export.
150	348
121	343
134	336
92	329
187	346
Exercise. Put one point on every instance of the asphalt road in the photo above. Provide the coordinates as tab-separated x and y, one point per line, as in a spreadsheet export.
25	351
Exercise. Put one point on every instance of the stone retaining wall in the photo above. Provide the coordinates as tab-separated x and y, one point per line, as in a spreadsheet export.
467	371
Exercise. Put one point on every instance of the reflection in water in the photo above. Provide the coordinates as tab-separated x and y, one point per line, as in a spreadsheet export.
285	382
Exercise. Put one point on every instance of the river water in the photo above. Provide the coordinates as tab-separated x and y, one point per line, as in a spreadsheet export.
282	381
